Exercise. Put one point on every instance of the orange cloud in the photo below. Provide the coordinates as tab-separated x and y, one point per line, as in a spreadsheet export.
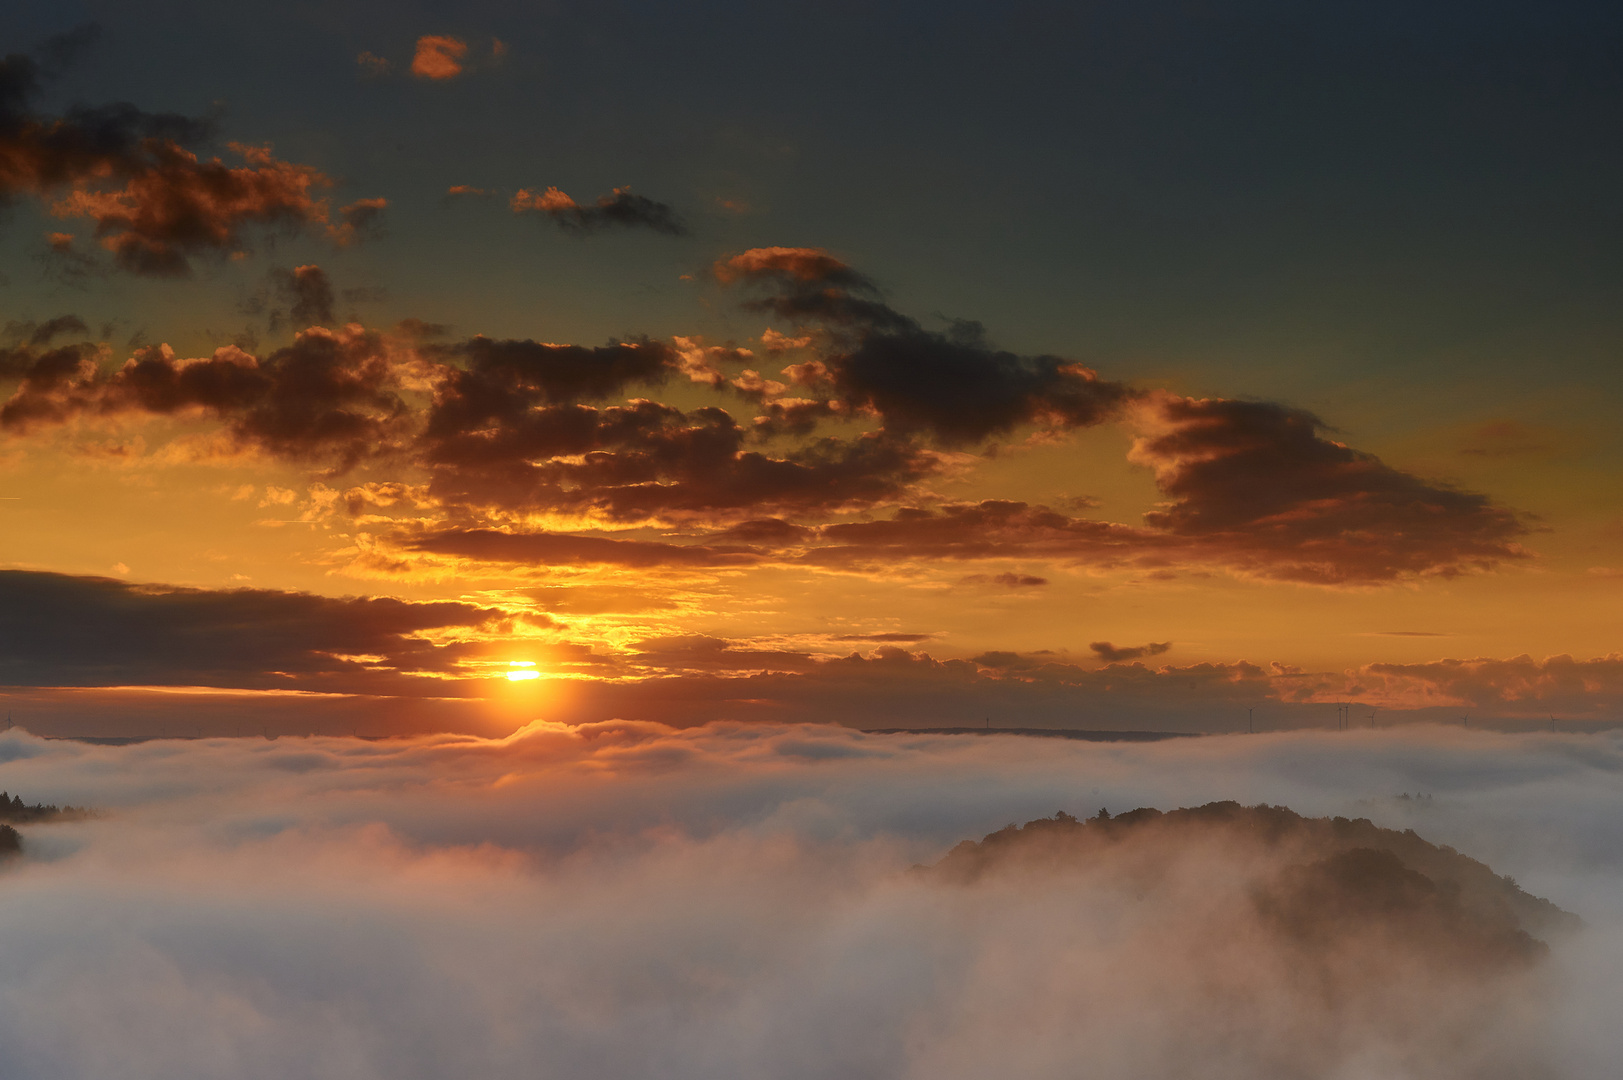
550	201
438	57
802	264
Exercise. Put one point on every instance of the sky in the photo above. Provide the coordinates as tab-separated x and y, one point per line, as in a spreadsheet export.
395	368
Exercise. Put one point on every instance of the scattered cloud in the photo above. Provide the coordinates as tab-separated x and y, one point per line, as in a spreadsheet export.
1005	580
308	292
1111	654
620	208
154	202
372	65
360	220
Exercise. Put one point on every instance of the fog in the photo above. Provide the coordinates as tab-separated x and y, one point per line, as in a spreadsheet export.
627	900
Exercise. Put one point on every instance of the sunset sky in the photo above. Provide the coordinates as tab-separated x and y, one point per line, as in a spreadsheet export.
1121	365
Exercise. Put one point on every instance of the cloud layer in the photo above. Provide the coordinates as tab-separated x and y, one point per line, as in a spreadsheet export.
736	902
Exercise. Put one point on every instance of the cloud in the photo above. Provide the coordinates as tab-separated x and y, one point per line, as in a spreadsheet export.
504	379
1112	654
438	57
308	292
154	203
372	65
1255	488
30	345
499	435
559	549
1018	581
65	631
1528	687
809	283
1256	485
331	396
178	206
953	385
990	529
619	208
360	220
36	334
333	906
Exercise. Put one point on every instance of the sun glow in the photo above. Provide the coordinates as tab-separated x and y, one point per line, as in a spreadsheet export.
522	670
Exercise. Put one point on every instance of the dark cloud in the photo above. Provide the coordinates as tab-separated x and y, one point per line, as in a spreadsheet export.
620	208
561	549
154	203
1112	654
491	441
179	206
1018	581
893	687
961	391
797	284
796	417
994	528
57	630
39	154
502	380
308	292
767	532
56	54
30	347
507	429
330	396
44	333
952	385
1256	486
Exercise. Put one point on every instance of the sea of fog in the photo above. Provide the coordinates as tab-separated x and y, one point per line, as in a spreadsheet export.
627	900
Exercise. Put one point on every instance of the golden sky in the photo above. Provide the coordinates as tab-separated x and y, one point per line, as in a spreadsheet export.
334	409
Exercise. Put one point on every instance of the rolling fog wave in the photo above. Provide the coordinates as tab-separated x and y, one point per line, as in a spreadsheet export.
627	900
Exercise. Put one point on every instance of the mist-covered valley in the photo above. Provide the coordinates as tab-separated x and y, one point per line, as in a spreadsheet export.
628	900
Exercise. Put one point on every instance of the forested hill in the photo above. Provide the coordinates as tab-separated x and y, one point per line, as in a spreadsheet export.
1313	876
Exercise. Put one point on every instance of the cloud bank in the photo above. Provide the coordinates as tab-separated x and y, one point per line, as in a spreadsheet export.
732	902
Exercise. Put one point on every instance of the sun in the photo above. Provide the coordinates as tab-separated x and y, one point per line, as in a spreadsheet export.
522	670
